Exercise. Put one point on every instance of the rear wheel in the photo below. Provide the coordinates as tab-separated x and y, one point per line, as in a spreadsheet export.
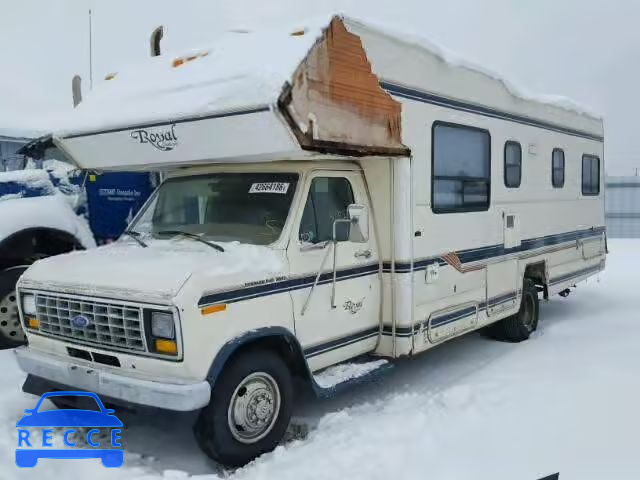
520	326
249	411
11	332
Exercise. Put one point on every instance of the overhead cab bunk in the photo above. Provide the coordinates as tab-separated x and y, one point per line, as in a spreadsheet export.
328	101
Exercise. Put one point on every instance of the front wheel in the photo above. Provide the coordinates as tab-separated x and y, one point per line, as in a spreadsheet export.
11	332
249	411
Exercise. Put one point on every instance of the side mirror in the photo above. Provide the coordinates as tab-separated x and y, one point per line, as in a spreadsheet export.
359	217
341	230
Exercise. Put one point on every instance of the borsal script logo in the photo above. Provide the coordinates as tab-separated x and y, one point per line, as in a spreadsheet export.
163	139
42	432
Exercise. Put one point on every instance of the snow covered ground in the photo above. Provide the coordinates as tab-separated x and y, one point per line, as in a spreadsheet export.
566	401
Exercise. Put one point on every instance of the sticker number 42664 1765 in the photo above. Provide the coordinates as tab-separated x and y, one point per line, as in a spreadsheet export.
269	187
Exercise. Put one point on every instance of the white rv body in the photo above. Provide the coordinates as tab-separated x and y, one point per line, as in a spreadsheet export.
424	275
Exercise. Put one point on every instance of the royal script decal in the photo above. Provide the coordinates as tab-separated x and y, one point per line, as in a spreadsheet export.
162	139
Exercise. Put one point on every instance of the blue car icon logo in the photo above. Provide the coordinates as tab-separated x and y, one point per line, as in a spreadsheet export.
27	453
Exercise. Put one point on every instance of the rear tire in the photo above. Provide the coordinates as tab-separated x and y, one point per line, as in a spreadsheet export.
11	331
249	411
519	327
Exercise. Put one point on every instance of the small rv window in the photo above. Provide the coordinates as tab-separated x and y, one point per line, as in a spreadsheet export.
557	168
590	175
328	200
512	164
461	169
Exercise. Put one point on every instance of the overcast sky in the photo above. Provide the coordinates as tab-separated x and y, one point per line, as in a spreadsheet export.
584	49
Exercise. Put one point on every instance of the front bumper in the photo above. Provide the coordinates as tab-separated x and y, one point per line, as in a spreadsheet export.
140	391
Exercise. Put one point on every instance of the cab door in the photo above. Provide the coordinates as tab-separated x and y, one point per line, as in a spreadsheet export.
333	326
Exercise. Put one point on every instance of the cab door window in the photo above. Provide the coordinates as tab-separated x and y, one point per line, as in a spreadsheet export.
328	200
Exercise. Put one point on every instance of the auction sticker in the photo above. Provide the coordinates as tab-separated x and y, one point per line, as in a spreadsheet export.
270	187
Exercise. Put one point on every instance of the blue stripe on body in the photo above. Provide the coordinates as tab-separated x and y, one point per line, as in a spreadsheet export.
466	256
341	342
437	322
248	293
433	99
494	251
167	123
451	317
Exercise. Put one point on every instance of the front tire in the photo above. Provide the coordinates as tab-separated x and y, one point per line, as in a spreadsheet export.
11	332
519	327
249	411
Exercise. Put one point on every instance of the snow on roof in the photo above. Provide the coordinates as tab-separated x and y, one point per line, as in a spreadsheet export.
51	211
240	70
24	124
455	60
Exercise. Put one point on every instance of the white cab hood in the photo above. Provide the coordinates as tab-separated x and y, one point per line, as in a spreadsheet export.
127	271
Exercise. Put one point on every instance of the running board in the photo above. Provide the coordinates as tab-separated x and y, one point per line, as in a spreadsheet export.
337	378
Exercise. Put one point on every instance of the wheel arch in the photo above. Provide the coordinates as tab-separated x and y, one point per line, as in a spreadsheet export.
277	339
27	245
537	272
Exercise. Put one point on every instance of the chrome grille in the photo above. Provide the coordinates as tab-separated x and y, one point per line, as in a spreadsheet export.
110	324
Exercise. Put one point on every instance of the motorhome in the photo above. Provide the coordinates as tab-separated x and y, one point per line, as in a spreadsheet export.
335	191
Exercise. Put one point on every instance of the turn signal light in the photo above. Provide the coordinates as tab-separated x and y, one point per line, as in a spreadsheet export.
168	347
213	309
33	323
179	61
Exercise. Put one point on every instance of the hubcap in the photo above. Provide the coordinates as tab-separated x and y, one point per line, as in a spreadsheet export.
254	407
10	319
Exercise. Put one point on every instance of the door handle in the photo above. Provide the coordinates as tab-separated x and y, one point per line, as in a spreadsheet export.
363	254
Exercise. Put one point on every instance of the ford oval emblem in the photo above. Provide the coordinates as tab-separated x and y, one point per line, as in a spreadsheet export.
80	321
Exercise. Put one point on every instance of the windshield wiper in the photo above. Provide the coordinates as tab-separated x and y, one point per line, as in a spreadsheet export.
135	236
192	236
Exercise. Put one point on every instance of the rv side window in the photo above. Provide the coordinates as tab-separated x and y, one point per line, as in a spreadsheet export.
461	169
327	201
557	168
512	164
590	175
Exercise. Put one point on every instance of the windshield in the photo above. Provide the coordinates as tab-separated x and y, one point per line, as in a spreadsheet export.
245	207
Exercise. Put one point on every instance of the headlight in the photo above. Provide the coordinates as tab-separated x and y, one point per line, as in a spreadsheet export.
29	304
162	325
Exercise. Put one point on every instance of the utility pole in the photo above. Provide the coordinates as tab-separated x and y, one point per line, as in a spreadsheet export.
90	51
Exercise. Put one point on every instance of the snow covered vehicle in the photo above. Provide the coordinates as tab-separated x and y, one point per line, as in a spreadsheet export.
44	209
38	208
357	194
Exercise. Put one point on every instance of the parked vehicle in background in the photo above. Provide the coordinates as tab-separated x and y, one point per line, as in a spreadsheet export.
337	191
49	207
